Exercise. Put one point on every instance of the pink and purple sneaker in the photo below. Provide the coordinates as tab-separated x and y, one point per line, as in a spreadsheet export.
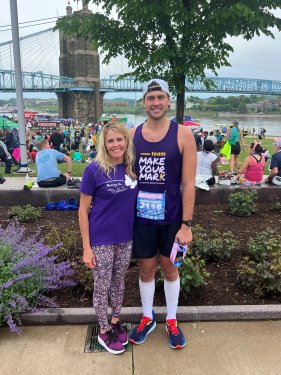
110	342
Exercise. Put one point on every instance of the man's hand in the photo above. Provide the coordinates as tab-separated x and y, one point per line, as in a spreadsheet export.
89	258
184	235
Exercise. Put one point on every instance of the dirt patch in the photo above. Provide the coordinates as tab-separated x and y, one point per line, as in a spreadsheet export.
222	287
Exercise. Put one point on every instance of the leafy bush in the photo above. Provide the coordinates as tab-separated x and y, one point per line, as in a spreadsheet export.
212	244
25	213
70	240
276	207
192	273
28	271
261	271
243	203
87	281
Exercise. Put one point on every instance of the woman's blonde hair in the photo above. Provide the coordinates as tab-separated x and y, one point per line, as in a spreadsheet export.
102	157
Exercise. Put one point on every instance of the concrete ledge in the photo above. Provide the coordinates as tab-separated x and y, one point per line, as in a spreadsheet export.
220	193
134	314
40	197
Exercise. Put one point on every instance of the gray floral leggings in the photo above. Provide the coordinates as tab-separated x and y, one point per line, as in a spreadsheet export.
112	262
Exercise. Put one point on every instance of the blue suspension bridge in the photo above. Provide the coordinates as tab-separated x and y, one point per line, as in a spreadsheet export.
41	49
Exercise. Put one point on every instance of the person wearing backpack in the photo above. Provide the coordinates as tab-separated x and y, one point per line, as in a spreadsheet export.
234	136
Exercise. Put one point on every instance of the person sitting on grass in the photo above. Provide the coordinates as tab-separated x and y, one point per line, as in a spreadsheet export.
47	158
92	153
77	157
253	166
275	164
33	154
207	162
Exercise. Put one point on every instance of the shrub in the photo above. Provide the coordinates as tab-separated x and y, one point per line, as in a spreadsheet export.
261	270
70	240
243	203
28	271
87	281
212	244
276	207
25	213
192	273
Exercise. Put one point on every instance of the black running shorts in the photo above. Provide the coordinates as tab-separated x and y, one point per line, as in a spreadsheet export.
149	240
235	149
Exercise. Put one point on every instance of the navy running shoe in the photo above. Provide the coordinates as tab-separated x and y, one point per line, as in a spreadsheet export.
139	333
176	337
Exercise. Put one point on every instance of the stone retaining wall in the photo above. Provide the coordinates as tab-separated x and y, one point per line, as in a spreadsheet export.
218	194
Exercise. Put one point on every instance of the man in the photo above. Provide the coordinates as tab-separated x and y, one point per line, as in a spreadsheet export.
212	137
165	161
48	174
275	165
56	140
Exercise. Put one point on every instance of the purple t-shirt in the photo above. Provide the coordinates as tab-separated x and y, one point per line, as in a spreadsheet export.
114	199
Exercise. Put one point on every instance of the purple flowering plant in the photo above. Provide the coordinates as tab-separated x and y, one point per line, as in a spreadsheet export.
27	272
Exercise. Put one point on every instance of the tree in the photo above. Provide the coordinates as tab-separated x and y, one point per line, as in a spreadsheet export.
173	39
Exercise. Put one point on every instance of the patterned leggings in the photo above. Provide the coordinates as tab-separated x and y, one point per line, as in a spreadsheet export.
112	262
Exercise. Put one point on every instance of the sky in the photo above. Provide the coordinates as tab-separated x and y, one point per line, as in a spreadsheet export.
259	58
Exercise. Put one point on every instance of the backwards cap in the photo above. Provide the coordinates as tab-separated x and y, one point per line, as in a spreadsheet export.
163	86
277	142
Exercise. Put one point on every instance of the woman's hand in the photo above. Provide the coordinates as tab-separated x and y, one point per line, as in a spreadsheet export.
89	258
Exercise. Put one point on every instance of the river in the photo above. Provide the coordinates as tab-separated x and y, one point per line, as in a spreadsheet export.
271	124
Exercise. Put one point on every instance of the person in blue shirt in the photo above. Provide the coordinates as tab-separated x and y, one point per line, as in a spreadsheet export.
77	157
47	158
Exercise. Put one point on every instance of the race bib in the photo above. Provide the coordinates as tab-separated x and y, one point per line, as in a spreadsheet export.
151	205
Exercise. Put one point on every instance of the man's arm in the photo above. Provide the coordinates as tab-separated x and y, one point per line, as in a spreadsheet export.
273	168
189	159
68	161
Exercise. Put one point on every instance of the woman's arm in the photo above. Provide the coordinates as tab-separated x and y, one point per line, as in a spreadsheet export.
242	139
88	254
215	165
244	166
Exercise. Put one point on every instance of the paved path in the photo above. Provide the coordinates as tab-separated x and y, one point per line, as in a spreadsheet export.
214	348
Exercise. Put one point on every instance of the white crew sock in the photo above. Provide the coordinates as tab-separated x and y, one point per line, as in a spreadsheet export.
172	291
147	294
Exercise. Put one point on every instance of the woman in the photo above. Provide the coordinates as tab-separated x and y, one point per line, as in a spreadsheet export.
234	135
106	215
253	166
207	162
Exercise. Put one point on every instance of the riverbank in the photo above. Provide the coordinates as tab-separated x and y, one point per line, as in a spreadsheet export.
253	115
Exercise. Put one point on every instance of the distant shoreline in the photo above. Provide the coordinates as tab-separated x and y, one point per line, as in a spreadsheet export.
254	115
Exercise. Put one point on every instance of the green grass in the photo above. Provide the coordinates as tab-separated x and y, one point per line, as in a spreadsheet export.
266	143
78	169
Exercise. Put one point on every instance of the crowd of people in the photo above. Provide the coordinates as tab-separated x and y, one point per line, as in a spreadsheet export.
211	153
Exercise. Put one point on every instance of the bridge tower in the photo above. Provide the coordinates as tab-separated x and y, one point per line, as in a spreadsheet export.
79	60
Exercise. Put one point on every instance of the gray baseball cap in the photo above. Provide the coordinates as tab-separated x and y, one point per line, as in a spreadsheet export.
163	85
